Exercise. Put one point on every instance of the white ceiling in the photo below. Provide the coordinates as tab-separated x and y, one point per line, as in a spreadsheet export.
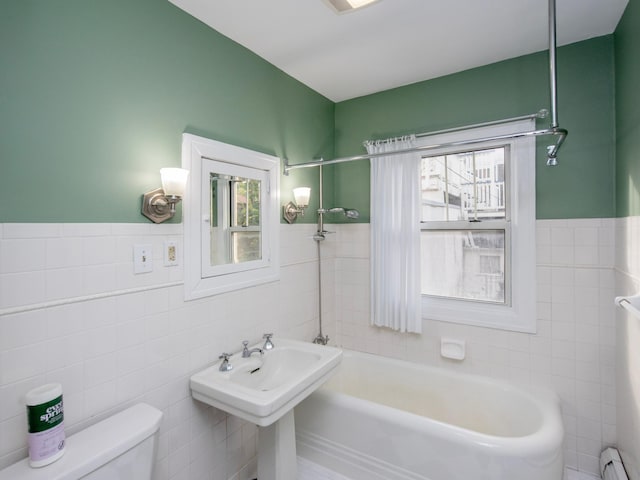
396	42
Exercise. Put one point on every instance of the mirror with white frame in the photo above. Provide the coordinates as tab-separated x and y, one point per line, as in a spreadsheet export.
231	217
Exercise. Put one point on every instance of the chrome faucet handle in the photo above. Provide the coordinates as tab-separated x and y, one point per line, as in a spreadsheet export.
268	344
225	366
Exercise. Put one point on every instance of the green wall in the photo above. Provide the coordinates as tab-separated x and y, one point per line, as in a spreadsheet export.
95	94
627	60
583	183
94	97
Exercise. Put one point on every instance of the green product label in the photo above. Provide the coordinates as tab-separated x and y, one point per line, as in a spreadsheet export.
45	416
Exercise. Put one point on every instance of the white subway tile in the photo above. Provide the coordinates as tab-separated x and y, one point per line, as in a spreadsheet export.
12	396
24	255
19	289
99	279
64	283
14	434
100	398
100	370
63	252
86	229
64	351
22	329
20	364
31	230
562	236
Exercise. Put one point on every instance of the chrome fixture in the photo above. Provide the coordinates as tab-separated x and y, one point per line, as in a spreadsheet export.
351	213
553	130
246	353
319	236
225	366
159	205
268	344
291	210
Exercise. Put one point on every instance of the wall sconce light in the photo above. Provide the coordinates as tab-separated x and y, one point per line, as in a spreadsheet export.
159	205
291	210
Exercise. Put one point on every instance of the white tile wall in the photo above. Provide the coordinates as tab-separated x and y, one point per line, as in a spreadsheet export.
110	348
573	351
117	348
628	339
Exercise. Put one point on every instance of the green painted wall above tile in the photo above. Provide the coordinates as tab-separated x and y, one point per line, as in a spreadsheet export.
581	186
94	97
627	47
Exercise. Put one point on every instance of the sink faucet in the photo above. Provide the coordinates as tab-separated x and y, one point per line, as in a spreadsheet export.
246	353
268	344
225	366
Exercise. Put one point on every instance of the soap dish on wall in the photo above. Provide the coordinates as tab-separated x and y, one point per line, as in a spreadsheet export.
452	348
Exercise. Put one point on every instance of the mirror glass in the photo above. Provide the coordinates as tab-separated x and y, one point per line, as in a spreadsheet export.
235	219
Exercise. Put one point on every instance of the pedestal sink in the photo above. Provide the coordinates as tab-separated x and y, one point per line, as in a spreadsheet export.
264	389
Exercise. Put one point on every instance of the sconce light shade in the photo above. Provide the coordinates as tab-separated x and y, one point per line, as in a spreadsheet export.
291	210
159	205
301	195
174	181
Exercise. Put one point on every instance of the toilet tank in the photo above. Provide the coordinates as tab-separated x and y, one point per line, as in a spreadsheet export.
121	447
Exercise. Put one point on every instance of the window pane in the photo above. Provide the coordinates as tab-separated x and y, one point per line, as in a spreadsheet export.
246	205
246	246
465	264
464	186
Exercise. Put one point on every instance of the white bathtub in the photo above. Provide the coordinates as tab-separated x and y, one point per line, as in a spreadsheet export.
384	419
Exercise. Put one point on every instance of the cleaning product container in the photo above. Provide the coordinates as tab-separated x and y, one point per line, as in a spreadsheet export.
45	415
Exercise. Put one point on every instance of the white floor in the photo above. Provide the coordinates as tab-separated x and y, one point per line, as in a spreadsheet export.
310	471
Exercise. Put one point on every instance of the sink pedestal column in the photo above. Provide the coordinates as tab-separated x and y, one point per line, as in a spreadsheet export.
277	450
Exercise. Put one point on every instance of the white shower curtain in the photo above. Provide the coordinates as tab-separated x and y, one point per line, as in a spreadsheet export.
395	236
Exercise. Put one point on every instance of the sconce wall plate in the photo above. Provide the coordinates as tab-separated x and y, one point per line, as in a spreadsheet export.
290	212
156	207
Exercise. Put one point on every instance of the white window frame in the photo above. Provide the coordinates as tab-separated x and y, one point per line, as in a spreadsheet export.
198	153
518	314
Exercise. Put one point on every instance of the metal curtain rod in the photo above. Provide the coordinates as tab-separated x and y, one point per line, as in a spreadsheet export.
543	113
554	129
533	133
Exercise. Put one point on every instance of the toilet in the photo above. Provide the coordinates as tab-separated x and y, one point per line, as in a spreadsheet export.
122	447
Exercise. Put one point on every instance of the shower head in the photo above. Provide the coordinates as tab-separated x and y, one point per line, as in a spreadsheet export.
348	212
352	213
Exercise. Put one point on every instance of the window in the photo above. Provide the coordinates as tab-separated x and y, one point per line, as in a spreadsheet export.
478	230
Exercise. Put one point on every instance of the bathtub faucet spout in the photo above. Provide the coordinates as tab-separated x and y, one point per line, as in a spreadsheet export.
320	340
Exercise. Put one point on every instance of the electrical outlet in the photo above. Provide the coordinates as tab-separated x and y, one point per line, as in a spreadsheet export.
142	258
170	253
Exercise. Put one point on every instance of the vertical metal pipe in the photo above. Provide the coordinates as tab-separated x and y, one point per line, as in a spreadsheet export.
319	294
553	78
321	206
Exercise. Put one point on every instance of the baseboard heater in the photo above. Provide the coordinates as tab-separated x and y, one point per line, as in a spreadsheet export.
611	467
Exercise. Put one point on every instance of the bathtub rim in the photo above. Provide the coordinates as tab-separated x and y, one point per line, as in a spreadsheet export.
550	432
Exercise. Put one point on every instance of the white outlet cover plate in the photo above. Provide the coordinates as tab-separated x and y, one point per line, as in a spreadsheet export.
171	253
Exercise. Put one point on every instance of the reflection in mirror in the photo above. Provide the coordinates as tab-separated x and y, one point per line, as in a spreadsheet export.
235	219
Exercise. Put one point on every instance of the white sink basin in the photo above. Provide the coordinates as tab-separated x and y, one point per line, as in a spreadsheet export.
263	388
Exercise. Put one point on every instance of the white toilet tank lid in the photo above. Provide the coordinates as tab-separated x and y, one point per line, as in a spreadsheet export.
94	446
